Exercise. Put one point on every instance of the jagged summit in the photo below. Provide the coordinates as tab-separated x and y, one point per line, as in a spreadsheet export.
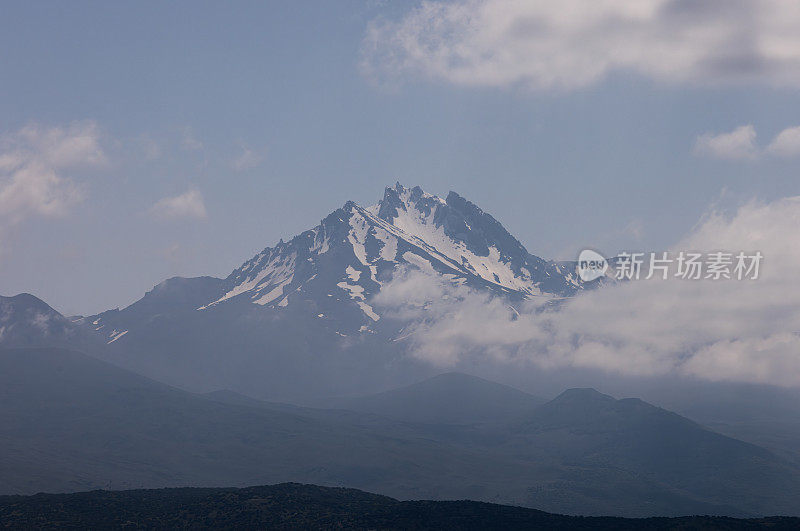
460	219
398	198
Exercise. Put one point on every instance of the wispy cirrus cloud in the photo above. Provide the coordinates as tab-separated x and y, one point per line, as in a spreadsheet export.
247	159
576	43
188	205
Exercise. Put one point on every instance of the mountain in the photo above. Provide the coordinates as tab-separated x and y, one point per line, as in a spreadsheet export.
26	320
765	415
333	270
71	423
296	506
450	398
589	432
354	250
297	321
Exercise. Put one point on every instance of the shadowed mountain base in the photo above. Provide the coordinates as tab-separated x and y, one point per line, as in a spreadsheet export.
71	423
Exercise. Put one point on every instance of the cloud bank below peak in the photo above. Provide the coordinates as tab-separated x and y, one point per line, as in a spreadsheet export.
725	330
576	43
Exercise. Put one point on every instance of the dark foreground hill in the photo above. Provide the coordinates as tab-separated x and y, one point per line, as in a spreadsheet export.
296	506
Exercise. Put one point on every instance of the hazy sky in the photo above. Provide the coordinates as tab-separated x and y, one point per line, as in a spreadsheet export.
144	140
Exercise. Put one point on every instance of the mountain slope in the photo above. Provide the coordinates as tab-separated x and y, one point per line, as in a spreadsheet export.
590	432
173	297
72	423
27	321
450	398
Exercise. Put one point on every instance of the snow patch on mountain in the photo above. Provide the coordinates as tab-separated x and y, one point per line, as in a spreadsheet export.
273	294
352	273
355	291
368	310
116	335
277	272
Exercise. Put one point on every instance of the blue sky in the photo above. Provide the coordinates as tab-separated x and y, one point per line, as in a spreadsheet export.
181	138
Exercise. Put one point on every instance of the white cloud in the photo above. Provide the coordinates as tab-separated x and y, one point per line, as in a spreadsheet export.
32	165
575	43
741	330
786	143
740	144
247	159
737	145
189	204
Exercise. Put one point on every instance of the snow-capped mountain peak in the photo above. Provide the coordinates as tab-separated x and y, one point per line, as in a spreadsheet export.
345	259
